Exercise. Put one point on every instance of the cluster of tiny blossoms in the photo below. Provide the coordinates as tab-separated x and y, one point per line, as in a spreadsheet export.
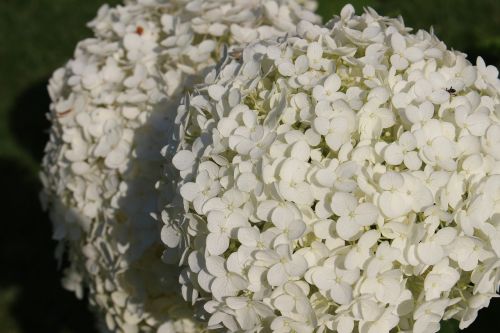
113	109
344	179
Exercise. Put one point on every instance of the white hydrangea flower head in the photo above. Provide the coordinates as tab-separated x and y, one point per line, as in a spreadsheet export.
346	178
113	109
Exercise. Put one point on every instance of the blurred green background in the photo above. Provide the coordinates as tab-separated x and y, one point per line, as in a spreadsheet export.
36	37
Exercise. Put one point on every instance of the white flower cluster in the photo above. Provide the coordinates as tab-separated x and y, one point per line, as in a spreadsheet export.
346	178
113	109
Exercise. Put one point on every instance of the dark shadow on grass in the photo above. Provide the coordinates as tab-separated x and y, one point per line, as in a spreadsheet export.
28	121
26	246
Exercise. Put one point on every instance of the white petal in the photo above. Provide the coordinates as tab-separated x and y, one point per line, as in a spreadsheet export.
332	83
301	151
324	110
335	140
217	243
248	236
398	62
284	303
217	29
354	259
286	69
237	303
321	125
236	220
213	204
369	239
226	126
347	228
412	161
296	229
401	100
247	182
341	293
393	205
477	124
345	324
430	253
297	266
215	266
347	12
323	277
322	209
132	41
265	209
301	64
247	318
189	191
366	214
413	54
445	236
281	217
319	93
391	181
237	281
276	276
115	158
170	236
215	219
300	193
393	154
221	288
343	203
439	96
326	177
407	141
216	91
398	42
204	280
183	160
314	51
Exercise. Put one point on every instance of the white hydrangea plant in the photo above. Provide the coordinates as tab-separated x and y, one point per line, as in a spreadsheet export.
112	112
343	179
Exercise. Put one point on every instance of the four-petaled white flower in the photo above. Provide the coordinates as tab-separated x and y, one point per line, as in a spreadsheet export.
282	264
353	216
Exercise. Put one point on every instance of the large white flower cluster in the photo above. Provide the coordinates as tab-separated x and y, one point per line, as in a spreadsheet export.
112	112
346	178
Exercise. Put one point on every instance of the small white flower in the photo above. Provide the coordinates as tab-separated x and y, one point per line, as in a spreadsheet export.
334	280
329	90
221	228
440	279
282	264
352	216
432	251
290	227
467	252
224	282
204	188
386	287
360	252
249	313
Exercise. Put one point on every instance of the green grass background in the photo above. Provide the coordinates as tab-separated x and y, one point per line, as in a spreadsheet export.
36	37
